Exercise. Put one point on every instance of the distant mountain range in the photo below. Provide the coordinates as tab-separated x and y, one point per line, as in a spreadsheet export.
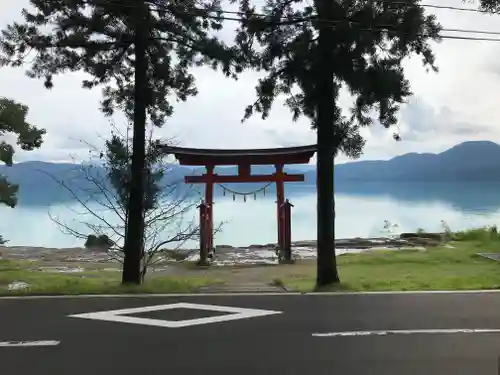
467	162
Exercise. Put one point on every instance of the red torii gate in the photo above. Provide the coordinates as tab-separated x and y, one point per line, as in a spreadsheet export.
244	159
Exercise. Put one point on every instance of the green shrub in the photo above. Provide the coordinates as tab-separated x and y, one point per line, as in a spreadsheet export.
102	242
485	234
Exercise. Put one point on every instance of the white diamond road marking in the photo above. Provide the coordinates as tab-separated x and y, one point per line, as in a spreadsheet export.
235	313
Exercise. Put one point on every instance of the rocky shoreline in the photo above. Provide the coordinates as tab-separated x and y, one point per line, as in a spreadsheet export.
225	254
404	239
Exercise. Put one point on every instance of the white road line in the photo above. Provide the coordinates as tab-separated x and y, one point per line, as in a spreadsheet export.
20	344
249	294
405	332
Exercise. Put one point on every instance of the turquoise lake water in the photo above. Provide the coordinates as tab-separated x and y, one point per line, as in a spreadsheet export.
361	211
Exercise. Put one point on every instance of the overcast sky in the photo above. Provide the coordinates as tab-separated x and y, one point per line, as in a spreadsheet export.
459	103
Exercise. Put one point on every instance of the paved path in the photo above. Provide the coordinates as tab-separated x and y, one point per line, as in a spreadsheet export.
281	341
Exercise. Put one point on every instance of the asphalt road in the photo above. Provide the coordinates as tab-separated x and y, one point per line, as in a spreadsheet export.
277	343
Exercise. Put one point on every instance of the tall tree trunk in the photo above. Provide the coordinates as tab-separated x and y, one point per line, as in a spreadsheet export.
134	231
326	262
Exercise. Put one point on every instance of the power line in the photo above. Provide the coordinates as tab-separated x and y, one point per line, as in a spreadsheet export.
282	22
160	7
433	6
466	31
456	8
380	28
390	2
469	38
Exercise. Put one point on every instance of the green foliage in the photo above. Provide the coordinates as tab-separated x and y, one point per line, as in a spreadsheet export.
370	39
118	164
13	120
483	235
101	241
97	37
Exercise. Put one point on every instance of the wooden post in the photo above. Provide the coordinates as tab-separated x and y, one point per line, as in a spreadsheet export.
280	197
287	229
203	234
209	198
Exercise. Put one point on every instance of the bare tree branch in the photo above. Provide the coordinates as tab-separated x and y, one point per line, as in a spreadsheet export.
101	189
84	203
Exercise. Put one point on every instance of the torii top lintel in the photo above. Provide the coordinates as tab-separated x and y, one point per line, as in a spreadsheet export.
270	156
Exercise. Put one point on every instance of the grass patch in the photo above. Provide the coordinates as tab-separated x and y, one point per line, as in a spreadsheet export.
440	268
47	283
454	266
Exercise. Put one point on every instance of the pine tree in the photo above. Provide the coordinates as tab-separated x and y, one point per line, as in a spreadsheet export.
13	121
139	51
491	6
310	51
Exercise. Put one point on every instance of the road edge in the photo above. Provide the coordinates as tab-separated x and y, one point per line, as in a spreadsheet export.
243	294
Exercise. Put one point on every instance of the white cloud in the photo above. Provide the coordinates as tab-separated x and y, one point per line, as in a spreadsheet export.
459	103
